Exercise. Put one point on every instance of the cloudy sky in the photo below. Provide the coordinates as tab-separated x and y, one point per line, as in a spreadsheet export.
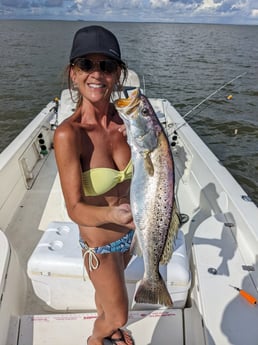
201	11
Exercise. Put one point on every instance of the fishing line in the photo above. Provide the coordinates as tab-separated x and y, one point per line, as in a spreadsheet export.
170	126
208	97
213	93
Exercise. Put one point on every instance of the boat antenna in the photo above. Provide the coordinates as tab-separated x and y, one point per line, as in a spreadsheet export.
212	94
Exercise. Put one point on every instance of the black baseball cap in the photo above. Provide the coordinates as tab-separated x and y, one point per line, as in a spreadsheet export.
95	39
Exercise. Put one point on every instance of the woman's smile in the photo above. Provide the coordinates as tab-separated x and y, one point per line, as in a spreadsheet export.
96	86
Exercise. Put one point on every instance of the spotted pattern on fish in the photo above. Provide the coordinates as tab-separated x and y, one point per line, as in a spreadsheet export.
152	194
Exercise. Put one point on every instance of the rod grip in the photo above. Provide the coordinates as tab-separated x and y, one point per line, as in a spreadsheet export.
251	299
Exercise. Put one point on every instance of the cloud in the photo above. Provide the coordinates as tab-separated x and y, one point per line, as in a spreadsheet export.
229	6
254	13
234	10
16	3
105	10
208	5
114	4
31	4
159	3
136	10
54	3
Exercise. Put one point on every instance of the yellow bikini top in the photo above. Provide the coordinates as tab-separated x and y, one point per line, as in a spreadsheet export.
98	181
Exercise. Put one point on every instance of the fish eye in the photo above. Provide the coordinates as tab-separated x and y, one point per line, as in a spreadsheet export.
144	111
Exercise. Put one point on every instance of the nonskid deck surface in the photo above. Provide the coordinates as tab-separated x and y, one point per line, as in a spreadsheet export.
162	327
23	231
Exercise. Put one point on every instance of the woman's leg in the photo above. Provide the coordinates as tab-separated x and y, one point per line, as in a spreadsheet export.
98	305
111	296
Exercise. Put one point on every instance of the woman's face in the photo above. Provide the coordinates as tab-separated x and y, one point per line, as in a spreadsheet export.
95	76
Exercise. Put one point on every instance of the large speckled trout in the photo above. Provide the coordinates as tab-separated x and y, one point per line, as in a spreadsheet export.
152	193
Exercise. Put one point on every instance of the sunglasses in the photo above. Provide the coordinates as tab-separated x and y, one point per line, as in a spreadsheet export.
106	66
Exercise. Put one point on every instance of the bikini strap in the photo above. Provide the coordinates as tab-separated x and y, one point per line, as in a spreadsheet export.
93	260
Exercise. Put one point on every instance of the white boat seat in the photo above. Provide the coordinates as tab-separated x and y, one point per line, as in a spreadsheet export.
230	319
56	270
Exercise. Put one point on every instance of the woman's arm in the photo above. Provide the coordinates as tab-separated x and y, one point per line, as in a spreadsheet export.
68	162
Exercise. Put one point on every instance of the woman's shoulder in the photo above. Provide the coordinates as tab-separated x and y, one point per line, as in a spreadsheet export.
69	127
65	130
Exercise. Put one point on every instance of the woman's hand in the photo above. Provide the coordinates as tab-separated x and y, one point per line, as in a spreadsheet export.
122	129
122	215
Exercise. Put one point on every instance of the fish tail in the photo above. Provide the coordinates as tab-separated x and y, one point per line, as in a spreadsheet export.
153	292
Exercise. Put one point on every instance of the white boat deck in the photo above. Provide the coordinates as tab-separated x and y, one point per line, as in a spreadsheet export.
40	324
157	327
23	231
230	318
215	314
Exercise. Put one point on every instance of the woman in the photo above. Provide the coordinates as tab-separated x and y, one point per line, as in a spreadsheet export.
94	163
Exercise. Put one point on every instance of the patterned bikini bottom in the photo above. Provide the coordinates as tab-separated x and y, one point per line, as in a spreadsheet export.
122	245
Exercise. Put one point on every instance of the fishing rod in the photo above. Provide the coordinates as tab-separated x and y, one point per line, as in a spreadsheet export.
213	93
170	127
208	97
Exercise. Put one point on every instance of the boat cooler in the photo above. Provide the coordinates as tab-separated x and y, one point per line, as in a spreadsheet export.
56	271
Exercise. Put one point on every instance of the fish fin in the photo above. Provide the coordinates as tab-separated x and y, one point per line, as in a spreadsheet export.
172	233
148	165
153	292
135	247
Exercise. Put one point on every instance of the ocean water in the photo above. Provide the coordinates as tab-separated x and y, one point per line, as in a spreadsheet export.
184	63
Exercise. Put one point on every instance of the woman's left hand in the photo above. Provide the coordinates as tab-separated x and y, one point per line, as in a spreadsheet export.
122	129
124	216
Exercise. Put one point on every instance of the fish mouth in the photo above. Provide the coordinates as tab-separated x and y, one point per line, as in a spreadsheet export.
129	106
